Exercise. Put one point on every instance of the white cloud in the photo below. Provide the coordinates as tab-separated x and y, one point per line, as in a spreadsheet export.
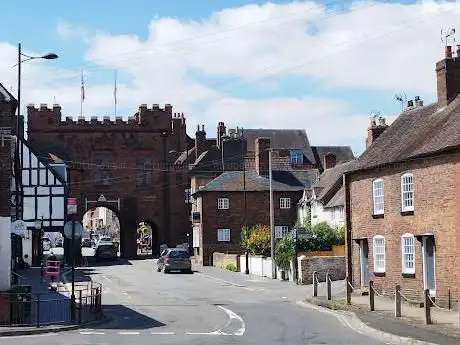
386	47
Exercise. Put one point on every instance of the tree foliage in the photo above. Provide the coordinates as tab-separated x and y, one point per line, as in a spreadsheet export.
322	237
256	239
284	252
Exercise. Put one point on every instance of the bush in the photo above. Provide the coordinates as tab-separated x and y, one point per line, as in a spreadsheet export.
231	267
322	237
285	252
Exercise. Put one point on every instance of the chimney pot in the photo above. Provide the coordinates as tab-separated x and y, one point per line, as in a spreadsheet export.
198	128
448	52
202	128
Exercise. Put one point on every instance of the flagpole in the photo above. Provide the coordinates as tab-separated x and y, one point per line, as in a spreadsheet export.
82	96
115	93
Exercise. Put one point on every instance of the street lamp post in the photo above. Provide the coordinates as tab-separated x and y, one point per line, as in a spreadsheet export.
21	55
23	58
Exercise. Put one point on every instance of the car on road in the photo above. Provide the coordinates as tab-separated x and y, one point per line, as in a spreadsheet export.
46	243
105	240
86	242
174	259
105	251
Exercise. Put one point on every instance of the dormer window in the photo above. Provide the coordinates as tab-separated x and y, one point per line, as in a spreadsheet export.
296	157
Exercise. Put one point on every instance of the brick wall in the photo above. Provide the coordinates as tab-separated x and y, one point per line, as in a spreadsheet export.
257	212
437	211
334	265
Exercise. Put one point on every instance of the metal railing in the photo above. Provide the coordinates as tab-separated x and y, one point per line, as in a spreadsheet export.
21	307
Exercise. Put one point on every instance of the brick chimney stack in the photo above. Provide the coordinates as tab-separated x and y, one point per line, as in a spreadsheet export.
221	132
262	156
200	141
448	76
376	127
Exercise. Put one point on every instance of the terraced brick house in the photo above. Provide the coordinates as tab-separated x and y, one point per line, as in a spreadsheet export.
403	215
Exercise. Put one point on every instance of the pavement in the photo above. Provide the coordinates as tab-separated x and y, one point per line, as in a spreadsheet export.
207	307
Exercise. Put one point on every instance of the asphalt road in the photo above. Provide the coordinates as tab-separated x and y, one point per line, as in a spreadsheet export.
202	308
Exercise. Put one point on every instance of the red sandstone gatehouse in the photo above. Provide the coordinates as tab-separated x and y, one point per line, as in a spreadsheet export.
403	213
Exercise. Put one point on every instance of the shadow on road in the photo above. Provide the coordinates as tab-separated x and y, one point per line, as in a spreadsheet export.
91	262
122	317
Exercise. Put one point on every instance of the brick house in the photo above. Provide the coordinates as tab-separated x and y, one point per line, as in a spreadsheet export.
7	109
402	197
222	210
233	149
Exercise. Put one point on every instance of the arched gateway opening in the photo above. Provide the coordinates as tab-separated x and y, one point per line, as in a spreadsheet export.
99	222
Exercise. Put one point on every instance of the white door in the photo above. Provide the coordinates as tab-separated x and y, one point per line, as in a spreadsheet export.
429	264
364	262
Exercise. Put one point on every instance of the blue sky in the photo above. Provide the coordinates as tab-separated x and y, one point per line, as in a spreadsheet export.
312	91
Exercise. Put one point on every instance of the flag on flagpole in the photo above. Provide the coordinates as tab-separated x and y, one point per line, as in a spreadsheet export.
115	89
82	98
82	88
115	92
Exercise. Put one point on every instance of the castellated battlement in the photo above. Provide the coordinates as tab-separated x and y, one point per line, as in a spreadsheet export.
44	116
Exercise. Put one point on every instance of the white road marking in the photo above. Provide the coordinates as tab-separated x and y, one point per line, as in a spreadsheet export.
232	316
162	333
91	333
204	333
129	333
221	280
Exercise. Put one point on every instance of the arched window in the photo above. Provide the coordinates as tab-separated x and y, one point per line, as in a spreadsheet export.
408	253
378	196
379	254
407	192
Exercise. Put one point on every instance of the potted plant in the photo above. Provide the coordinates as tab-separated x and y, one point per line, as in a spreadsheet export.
284	253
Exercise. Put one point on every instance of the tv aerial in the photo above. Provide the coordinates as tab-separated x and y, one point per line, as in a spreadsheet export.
401	98
448	36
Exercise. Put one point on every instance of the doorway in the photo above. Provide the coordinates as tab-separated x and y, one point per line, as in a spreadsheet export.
364	261
429	264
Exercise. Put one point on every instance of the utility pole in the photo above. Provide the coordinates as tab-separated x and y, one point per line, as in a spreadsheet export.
272	216
243	154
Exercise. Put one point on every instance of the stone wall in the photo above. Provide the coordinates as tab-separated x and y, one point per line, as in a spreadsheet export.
335	265
222	260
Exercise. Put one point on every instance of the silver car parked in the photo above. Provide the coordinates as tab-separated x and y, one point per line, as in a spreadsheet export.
174	259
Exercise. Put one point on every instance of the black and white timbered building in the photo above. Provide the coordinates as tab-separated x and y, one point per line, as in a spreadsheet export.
42	198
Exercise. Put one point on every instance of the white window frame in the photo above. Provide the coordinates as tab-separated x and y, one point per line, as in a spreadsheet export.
376	197
223	203
285	203
281	231
379	269
404	252
405	193
223	235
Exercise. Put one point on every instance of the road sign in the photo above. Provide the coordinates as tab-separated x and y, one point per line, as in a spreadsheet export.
68	229
72	205
102	198
19	227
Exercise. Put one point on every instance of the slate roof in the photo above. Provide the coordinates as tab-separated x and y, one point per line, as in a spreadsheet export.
330	178
5	95
342	153
281	139
338	199
417	132
232	181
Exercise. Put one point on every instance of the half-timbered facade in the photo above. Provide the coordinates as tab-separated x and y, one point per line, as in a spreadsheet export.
43	186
